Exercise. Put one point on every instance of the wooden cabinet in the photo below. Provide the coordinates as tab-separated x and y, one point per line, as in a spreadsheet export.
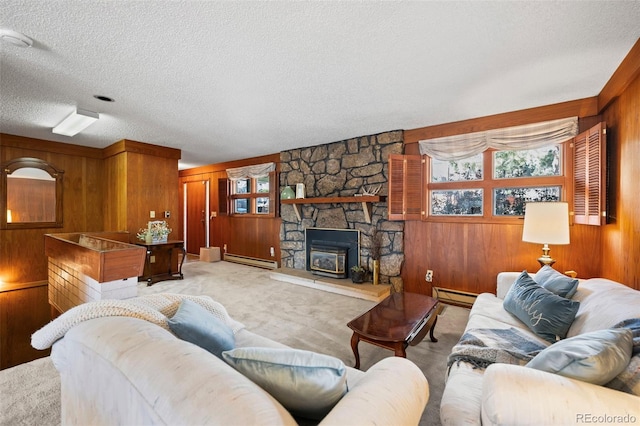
406	174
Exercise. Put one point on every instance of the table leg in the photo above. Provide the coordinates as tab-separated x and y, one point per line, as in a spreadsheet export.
433	339
184	254
148	266
355	339
400	349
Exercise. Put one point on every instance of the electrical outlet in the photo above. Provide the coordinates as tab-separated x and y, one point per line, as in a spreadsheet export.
152	259
429	277
224	248
167	214
272	251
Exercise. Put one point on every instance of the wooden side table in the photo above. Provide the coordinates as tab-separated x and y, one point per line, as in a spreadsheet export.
153	272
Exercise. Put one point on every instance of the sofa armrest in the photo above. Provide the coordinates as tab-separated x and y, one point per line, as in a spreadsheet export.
122	370
514	394
393	391
504	283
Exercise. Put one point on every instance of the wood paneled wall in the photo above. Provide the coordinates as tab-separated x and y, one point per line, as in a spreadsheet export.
468	256
23	310
620	250
111	189
22	258
246	236
140	178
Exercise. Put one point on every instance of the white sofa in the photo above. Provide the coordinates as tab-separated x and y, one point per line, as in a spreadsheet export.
505	394
121	370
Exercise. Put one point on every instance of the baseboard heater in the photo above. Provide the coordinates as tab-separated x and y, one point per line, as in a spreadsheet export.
454	297
251	261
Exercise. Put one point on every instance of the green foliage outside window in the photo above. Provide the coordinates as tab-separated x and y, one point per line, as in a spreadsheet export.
527	163
511	201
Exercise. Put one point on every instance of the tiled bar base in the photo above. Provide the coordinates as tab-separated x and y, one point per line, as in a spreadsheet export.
69	287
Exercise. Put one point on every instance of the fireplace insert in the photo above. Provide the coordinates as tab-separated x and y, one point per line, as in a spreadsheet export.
328	261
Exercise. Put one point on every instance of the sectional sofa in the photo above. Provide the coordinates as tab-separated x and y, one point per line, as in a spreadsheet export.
132	369
588	374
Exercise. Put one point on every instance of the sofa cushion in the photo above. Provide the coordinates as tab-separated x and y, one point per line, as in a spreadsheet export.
196	325
306	383
545	313
603	304
595	357
556	282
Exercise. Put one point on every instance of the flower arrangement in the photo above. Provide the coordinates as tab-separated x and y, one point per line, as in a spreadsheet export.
156	232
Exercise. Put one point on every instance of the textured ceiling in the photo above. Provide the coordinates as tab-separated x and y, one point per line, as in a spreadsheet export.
231	80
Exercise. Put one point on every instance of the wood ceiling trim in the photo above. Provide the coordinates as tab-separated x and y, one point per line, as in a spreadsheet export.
627	72
126	145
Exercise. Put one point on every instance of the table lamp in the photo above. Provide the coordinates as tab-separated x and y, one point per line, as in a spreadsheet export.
546	223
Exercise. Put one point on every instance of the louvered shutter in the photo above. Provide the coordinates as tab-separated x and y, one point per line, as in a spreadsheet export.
223	194
405	187
589	169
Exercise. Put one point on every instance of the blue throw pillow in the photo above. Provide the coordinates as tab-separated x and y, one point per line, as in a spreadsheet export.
556	282
306	383
596	357
196	325
545	313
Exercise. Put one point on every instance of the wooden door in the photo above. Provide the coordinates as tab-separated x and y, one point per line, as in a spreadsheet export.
196	216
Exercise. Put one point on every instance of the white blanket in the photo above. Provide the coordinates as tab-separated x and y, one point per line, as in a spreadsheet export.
155	308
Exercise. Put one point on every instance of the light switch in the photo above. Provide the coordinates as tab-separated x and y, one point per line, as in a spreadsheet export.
152	214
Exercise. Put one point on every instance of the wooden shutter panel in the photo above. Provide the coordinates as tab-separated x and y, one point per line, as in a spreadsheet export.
223	194
589	170
405	187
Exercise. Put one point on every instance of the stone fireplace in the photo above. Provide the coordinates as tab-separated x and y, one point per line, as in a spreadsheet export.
343	169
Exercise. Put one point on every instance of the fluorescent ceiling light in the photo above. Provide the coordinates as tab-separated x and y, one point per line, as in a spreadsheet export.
15	38
76	122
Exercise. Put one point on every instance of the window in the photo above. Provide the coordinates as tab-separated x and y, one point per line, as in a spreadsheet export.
495	184
253	196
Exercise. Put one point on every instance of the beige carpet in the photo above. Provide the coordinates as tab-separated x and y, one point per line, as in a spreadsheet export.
297	316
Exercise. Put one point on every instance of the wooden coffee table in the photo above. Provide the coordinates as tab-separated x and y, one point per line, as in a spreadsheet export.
400	320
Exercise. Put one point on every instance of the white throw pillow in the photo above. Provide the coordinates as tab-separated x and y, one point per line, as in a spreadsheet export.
306	383
596	357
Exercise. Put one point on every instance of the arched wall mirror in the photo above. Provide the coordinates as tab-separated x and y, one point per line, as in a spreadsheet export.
31	195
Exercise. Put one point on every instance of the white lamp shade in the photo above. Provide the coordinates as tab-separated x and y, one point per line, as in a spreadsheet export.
76	122
546	223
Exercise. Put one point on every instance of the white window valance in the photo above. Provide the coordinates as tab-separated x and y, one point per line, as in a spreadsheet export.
255	171
528	136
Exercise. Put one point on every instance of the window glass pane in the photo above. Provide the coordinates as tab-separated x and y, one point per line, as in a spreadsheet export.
262	205
242	186
510	201
543	161
262	184
457	202
241	205
460	170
